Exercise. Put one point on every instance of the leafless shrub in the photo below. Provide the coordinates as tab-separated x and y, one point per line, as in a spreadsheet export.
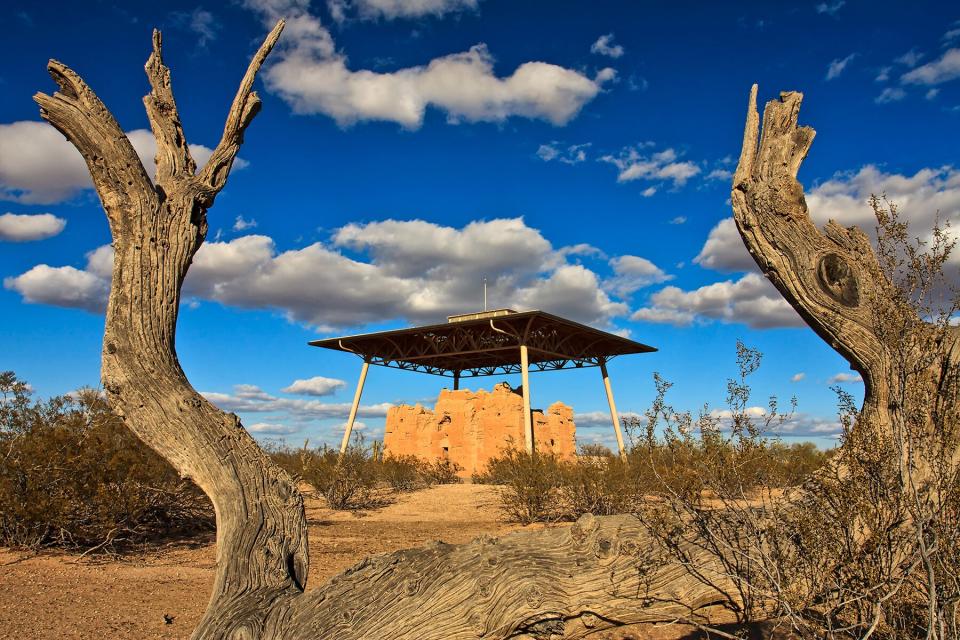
867	546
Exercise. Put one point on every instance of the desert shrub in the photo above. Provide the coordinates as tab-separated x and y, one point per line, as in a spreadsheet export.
603	486
74	476
364	477
290	459
546	488
529	485
795	463
347	484
401	473
594	450
440	471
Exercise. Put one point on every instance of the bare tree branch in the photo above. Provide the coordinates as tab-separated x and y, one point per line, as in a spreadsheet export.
828	277
245	106
77	112
173	159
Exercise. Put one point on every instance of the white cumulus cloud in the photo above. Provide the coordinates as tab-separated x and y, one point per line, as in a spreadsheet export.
724	249
845	378
837	66
634	273
242	224
413	269
943	69
830	8
313	77
604	46
890	94
272	429
567	154
634	164
27	227
315	386
67	286
751	300
39	166
395	9
920	197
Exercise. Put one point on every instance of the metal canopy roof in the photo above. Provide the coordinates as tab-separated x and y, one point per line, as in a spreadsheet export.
488	343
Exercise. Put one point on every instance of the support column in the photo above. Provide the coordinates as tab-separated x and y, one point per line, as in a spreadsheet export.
456	380
353	409
613	409
527	416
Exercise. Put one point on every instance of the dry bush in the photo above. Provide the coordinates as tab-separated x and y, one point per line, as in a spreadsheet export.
594	450
364	477
602	487
440	471
529	485
545	488
74	476
867	546
290	459
402	473
350	483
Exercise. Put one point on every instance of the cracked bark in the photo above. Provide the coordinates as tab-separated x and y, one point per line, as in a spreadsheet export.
832	278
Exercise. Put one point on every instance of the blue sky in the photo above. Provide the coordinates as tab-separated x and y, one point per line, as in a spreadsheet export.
576	154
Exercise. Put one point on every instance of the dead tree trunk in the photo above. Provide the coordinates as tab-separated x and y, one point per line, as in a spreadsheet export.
157	228
834	279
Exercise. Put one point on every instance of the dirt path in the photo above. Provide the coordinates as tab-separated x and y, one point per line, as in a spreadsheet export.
60	596
57	595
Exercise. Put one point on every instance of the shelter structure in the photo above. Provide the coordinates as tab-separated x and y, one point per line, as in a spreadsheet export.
489	343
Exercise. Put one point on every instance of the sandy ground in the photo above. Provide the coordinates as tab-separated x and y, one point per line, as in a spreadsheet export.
162	593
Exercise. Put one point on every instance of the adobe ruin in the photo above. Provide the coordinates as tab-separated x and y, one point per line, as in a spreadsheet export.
489	343
471	427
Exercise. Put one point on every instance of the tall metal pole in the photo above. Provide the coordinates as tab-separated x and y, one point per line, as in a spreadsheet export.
456	380
613	409
527	416
353	409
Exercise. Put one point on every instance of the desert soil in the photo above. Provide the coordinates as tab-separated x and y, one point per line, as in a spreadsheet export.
162	593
